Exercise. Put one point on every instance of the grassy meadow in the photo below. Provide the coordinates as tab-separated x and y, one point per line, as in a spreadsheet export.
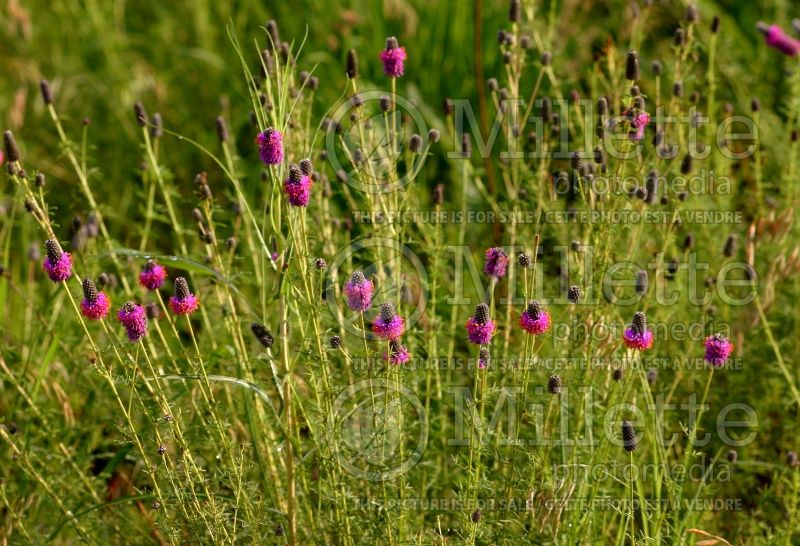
400	272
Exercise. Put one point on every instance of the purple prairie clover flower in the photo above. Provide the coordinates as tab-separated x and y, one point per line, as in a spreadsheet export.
297	187
183	302
718	349
639	123
95	305
397	354
358	291
134	319
480	328
392	58
496	262
270	146
637	336
388	325
57	263
534	319
153	275
776	38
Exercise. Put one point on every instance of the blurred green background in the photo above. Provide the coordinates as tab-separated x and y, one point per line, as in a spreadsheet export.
102	56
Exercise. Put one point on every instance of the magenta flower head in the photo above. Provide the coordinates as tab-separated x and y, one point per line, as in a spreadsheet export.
534	319
95	305
480	328
57	263
297	187
398	354
153	275
639	123
134	319
358	291
718	349
392	58
270	146
388	325
776	38
183	302
637	336
496	262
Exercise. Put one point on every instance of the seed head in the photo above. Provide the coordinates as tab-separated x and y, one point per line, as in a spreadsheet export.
152	310
602	106
415	143
335	342
181	288
656	68
524	260
692	14
222	129
686	164
732	456
262	334
272	30
628	436
320	264
47	93
387	312
476	516
433	136
10	144
554	384
574	293
791	459
632	66
295	174
534	309
715	22
641	282
575	161
515	11
482	313
438	194
140	113
730	246
306	167
157	129
639	322
679	38
89	290
352	64
53	250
